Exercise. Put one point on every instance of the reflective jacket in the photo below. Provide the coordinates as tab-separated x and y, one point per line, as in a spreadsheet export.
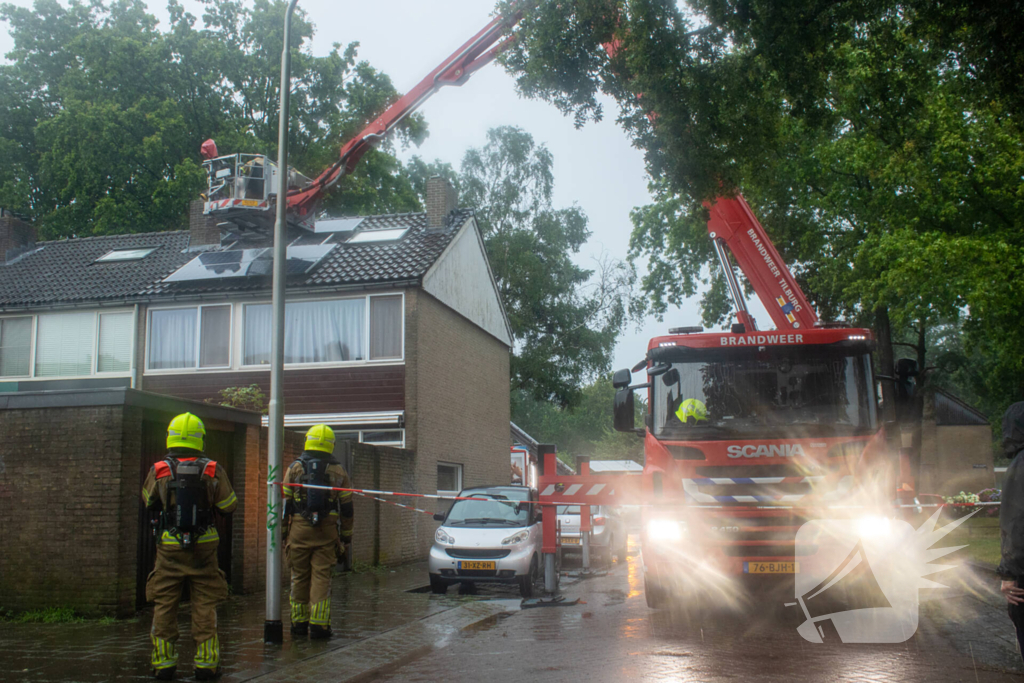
1011	509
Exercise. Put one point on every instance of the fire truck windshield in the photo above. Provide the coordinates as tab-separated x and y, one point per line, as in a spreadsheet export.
764	393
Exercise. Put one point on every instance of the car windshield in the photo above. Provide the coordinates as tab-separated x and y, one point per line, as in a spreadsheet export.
500	509
774	393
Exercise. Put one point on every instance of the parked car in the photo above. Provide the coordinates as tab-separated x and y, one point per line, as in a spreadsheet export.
497	540
608	534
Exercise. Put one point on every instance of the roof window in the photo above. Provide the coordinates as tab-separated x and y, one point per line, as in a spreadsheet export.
126	254
379	236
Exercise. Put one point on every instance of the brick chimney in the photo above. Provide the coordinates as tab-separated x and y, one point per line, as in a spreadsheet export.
441	201
203	230
16	235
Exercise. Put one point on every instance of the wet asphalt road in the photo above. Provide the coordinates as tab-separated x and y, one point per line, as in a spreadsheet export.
612	636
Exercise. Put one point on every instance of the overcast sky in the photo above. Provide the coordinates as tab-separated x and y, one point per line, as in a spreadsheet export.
595	167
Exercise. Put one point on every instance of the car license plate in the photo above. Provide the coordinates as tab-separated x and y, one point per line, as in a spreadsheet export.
771	567
250	202
570	541
476	564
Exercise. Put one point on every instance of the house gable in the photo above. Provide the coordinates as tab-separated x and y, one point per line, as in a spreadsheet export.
462	280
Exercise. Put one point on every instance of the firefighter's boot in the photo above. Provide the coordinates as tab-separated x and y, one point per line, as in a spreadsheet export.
165	674
300	619
317	632
164	659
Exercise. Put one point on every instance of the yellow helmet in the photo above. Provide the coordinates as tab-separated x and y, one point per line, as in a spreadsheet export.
691	407
186	431
320	438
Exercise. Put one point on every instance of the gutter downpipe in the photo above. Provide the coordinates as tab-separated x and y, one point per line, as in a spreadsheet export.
273	629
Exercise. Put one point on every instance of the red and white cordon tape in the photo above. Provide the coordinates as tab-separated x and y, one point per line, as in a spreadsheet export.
372	493
391	502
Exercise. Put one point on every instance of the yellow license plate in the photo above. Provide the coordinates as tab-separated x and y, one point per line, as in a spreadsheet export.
250	202
476	564
771	567
570	541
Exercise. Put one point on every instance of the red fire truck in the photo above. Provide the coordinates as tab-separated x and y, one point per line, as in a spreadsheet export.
749	433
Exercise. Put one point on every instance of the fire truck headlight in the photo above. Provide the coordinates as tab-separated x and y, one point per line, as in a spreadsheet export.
665	530
874	526
442	537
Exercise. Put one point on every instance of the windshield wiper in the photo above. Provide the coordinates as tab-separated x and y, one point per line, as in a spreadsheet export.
490	520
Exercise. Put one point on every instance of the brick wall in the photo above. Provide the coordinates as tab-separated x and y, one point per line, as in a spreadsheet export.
441	201
457	400
203	229
14	233
68	510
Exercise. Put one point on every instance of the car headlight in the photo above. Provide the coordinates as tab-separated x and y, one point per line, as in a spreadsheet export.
874	526
516	539
442	537
665	529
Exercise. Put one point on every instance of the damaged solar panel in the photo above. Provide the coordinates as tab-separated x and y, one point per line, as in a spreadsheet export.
239	263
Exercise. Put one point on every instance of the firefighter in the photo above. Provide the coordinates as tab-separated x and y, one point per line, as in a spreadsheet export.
311	523
183	491
1011	520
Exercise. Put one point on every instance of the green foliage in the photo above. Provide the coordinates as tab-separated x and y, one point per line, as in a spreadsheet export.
49	615
876	140
564	318
102	114
247	398
585	429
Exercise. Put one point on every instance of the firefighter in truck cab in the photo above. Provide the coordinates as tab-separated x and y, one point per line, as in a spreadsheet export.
183	492
311	526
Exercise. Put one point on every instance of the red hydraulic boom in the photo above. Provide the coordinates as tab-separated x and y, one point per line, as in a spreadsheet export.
477	52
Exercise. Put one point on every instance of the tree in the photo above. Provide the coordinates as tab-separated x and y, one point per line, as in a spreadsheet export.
585	429
102	115
564	318
880	152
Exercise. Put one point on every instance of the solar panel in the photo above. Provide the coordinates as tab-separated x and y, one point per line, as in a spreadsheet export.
218	265
337	224
302	259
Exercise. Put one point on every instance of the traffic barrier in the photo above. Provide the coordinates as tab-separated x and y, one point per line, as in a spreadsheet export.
371	493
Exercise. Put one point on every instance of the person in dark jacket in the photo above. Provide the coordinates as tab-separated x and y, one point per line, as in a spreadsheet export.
1011	520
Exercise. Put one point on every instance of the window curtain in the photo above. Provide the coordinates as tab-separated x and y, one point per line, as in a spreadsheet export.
115	352
315	332
385	327
215	337
172	339
64	344
15	346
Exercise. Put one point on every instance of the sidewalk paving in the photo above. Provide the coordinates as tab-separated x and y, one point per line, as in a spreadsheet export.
378	624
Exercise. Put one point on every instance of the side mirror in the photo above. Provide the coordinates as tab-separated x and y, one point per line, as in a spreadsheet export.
622	378
671	377
438	516
624	410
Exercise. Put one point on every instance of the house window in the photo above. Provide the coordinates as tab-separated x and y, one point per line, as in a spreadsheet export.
388	437
449	477
328	331
115	343
64	344
15	347
178	337
385	327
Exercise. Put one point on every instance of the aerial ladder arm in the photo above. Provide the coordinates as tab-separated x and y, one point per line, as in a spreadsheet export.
476	53
733	226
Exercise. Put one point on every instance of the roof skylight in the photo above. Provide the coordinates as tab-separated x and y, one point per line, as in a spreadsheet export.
378	236
126	254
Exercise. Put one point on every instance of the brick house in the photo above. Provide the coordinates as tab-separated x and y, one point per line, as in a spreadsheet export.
396	334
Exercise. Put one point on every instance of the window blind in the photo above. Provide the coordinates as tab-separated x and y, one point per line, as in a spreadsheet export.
115	349
15	346
64	344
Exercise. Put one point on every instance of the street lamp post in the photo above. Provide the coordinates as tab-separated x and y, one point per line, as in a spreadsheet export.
273	630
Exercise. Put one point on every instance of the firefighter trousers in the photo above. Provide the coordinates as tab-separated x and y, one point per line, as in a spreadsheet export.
312	565
174	567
